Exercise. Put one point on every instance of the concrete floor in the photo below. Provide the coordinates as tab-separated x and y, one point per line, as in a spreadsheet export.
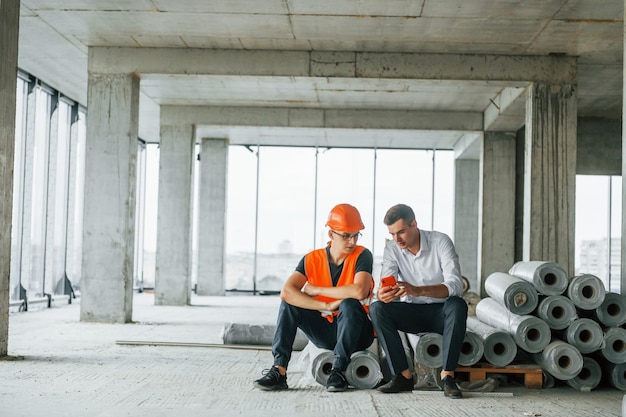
63	367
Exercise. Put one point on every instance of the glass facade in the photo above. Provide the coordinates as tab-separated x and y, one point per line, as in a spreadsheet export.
277	202
279	199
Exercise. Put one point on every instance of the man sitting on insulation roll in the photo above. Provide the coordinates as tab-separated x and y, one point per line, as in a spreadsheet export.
427	298
327	297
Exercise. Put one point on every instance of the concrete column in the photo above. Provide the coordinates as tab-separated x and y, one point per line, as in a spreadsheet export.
9	29
550	174
212	216
466	191
173	256
110	188
496	251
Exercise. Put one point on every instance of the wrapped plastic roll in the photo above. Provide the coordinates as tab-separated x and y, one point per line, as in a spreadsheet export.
547	277
612	311
499	348
321	365
257	334
586	291
557	311
561	360
615	374
585	334
518	296
614	345
472	349
427	348
363	371
529	332
589	376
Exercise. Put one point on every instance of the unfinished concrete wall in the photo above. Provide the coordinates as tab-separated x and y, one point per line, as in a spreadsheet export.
109	209
9	28
173	257
212	216
496	251
599	146
550	174
466	186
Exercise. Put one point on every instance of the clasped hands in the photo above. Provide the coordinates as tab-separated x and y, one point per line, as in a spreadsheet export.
313	291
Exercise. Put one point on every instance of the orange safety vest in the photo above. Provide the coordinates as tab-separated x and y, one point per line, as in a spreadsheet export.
317	268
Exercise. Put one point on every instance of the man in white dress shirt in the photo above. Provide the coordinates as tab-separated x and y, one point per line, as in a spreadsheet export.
426	298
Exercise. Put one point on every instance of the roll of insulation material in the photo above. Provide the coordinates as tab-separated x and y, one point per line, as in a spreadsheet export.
615	374
499	348
518	296
612	311
614	345
547	277
257	334
586	291
585	334
427	348
321	365
557	311
589	376
561	360
529	332
472	349
363	371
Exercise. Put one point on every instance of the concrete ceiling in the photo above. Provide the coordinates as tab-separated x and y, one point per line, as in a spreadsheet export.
55	36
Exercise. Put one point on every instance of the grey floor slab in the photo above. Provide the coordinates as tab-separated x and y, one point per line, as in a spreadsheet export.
64	367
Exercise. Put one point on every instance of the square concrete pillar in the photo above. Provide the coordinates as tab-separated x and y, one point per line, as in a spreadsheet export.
173	256
466	189
9	29
550	174
109	208
212	217
496	249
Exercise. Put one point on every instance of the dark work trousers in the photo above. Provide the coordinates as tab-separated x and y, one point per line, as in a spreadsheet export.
448	319
350	331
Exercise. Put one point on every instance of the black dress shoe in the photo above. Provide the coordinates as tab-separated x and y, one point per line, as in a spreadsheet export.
450	388
336	381
397	384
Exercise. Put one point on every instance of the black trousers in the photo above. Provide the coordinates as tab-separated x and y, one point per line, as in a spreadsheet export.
448	319
351	331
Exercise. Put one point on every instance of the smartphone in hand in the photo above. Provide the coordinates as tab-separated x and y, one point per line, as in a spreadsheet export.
388	281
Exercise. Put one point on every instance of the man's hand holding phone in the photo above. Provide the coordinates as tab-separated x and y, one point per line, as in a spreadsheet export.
388	289
389	281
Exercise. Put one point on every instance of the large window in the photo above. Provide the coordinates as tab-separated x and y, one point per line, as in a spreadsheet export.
279	199
46	238
598	228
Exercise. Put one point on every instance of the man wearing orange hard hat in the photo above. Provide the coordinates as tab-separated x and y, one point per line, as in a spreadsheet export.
327	297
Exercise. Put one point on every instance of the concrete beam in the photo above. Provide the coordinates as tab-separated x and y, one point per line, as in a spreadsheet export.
507	112
321	118
550	69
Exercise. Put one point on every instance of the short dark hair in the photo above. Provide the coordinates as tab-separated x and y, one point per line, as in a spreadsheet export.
397	212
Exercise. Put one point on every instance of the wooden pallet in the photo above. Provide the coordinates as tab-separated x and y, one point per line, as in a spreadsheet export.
533	375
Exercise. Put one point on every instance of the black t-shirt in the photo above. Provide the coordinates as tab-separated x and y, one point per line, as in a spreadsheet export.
363	263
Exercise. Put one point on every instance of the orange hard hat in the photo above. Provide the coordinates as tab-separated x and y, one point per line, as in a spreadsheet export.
345	218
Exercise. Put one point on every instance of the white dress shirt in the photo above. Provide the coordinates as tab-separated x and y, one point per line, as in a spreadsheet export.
435	263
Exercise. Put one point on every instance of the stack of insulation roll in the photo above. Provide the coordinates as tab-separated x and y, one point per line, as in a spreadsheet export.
571	327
